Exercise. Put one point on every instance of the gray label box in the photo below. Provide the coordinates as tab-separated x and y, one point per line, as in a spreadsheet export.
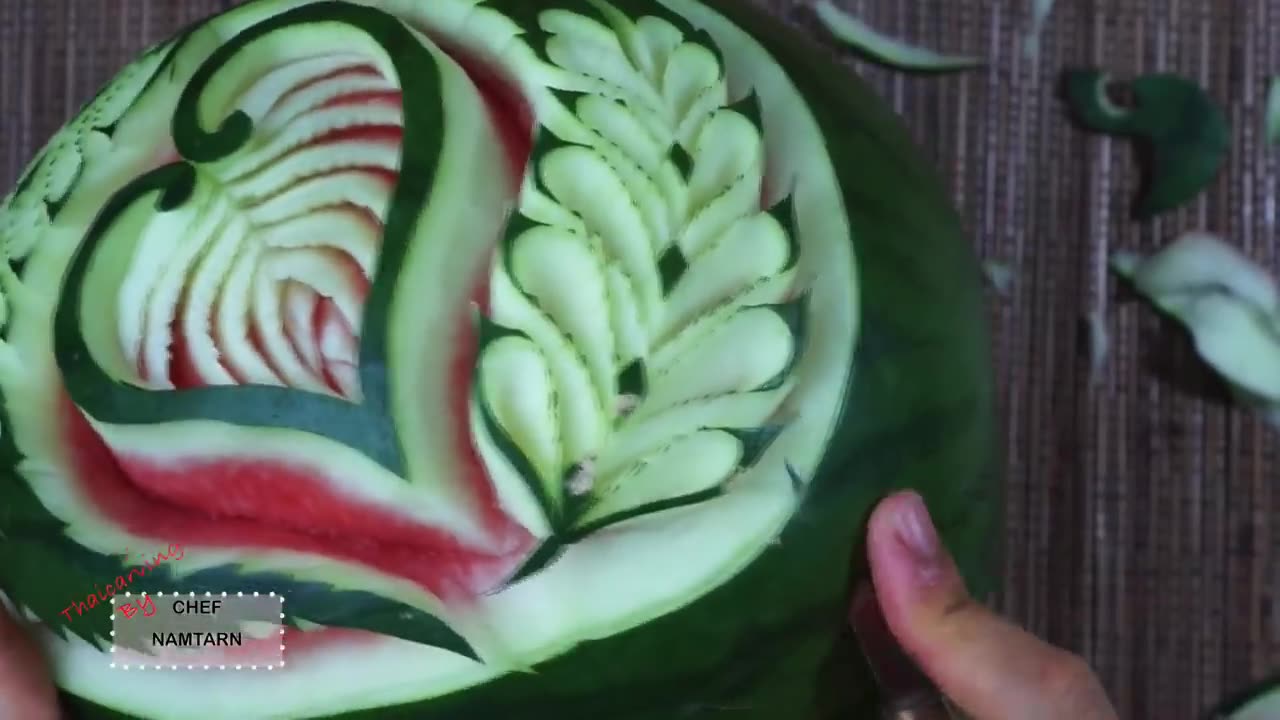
198	631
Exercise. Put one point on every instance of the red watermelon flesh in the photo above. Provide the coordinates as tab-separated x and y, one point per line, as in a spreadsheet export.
258	503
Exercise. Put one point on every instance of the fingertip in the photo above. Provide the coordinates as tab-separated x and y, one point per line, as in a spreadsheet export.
910	567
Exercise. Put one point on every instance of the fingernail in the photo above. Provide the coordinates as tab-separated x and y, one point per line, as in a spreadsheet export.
917	534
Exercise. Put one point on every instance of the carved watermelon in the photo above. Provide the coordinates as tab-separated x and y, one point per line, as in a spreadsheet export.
545	355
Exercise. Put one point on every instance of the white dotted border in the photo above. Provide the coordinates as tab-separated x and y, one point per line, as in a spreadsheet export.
202	667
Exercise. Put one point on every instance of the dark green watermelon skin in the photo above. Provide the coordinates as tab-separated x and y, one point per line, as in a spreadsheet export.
772	644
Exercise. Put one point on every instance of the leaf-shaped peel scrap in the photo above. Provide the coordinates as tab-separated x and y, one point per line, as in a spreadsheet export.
1271	118
886	50
1039	10
1229	304
1000	275
381	305
1182	132
1258	703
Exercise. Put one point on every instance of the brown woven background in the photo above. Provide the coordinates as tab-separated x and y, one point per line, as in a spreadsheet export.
1142	511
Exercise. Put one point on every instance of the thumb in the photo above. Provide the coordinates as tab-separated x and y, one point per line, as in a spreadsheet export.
988	667
26	690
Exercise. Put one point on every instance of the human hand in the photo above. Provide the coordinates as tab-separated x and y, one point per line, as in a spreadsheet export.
989	668
26	688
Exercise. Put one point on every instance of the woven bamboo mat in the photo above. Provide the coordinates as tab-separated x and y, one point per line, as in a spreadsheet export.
1142	514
